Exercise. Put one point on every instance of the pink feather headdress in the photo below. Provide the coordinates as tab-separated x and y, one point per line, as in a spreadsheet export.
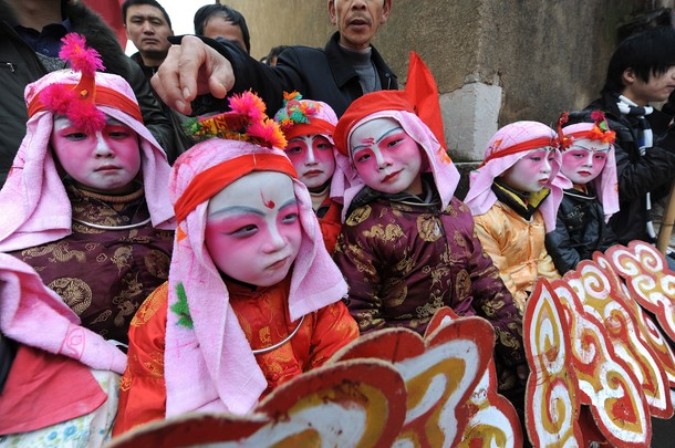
79	102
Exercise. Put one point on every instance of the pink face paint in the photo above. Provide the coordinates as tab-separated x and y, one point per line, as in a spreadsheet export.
248	240
313	159
105	161
584	160
386	158
532	172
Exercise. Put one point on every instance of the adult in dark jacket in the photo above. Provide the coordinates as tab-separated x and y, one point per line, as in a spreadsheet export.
344	70
641	70
148	26
21	64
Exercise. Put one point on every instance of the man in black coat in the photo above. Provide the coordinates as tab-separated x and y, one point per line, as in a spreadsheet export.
30	34
344	70
641	71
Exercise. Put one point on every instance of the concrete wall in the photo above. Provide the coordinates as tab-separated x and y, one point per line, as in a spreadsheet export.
495	61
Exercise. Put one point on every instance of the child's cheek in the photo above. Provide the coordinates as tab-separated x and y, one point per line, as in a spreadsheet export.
297	158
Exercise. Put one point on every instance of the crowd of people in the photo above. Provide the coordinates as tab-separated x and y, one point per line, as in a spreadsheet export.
188	228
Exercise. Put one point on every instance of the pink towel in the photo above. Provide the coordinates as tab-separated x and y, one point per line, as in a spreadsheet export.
481	198
444	171
34	315
211	367
34	203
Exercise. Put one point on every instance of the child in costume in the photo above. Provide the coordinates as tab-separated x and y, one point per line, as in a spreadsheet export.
588	162
85	202
253	298
75	218
308	126
514	204
407	246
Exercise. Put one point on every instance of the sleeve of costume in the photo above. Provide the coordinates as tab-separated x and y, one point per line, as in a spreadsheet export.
647	173
545	266
355	255
268	82
607	238
489	240
334	328
157	122
143	388
493	301
331	225
565	257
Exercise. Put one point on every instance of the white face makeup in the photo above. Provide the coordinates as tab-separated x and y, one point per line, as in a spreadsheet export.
253	229
105	161
532	172
313	159
386	158
584	160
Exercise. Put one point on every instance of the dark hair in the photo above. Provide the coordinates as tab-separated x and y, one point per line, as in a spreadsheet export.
154	3
650	52
274	51
205	13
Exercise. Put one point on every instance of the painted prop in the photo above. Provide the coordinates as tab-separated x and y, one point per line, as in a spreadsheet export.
491	419
622	360
552	394
648	331
649	280
355	403
605	300
440	371
606	383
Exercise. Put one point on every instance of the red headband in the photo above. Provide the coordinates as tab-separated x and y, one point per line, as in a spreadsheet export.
364	106
315	126
103	96
540	142
210	181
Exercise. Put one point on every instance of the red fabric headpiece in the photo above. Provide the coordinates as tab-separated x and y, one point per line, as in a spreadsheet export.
316	126
368	104
540	142
209	182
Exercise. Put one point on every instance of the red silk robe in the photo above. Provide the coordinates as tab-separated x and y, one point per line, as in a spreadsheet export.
263	316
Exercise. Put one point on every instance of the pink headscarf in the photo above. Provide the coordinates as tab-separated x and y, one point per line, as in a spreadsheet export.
510	144
34	315
390	104
210	367
35	205
606	184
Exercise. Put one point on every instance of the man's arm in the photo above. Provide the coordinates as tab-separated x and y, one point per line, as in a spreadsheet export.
202	66
191	69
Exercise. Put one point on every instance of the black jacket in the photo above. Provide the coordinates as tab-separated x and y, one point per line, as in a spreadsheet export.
181	141
580	230
637	175
318	74
19	66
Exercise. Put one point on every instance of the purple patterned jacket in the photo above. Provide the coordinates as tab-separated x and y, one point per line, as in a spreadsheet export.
403	260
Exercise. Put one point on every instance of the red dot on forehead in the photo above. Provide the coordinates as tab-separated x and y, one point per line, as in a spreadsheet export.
268	203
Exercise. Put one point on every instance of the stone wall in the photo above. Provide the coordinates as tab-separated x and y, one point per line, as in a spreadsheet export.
495	61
